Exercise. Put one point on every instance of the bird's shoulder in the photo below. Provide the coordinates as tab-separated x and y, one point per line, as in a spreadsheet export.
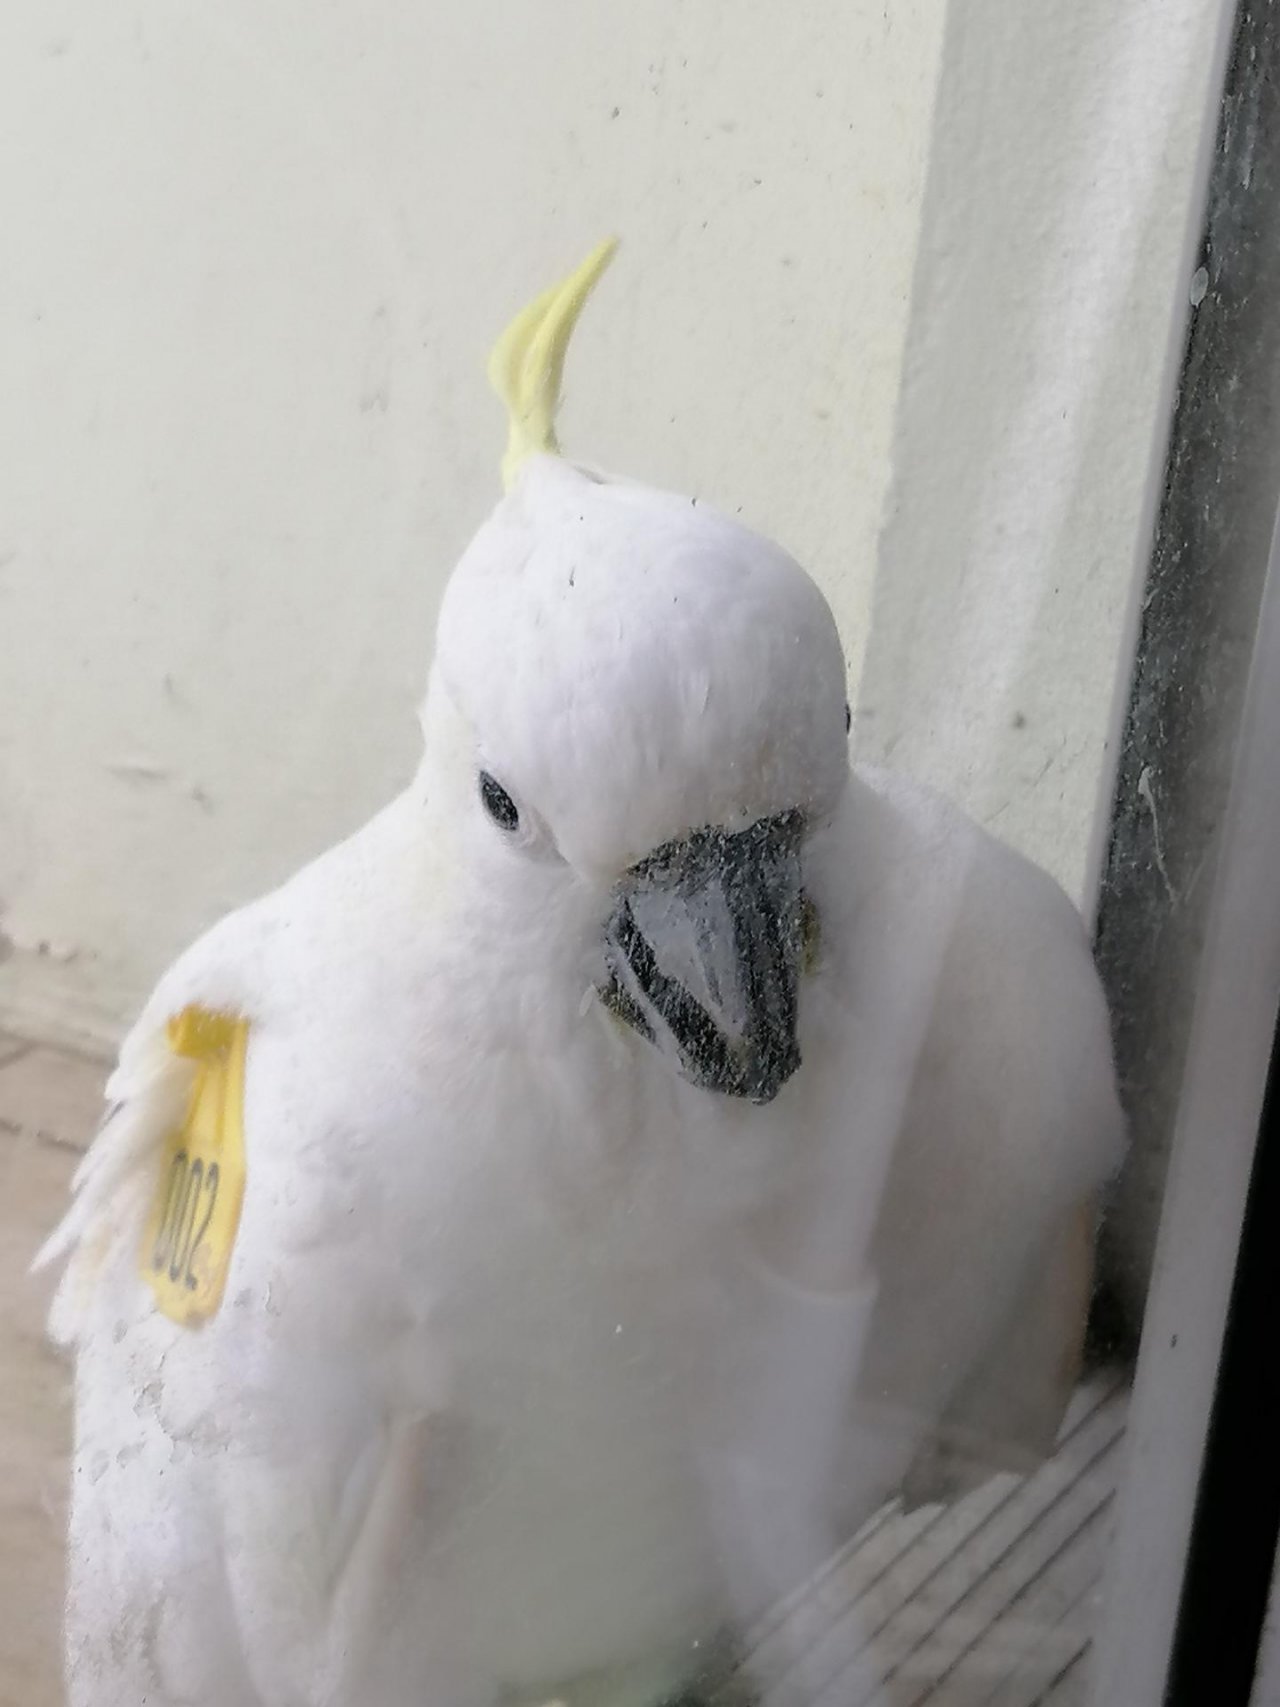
928	857
1014	1019
290	963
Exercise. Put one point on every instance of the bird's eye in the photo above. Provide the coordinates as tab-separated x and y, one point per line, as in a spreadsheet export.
498	803
848	718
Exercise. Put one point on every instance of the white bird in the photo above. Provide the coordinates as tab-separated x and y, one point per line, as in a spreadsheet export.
526	1242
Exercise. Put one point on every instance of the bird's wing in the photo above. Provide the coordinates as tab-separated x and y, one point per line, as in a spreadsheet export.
332	1381
147	1098
251	964
306	1412
1007	1414
1012	1127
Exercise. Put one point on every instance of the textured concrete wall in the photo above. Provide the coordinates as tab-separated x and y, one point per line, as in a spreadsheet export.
254	257
1050	294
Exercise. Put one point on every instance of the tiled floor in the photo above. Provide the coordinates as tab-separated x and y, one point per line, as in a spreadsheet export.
989	1601
49	1105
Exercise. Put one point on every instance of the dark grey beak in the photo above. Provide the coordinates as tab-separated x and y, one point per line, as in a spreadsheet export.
705	947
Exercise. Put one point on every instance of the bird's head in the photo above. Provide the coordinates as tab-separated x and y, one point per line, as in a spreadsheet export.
651	700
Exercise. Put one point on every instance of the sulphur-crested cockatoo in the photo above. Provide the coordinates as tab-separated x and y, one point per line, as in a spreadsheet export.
528	1241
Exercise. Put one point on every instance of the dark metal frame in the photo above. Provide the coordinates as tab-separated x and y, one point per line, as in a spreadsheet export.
1188	940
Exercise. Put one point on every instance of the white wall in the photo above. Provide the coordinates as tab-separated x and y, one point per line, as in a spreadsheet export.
254	256
1049	303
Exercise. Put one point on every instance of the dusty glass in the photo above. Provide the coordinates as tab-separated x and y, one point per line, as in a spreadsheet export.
664	1211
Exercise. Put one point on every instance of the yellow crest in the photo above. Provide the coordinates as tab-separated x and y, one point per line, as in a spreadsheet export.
527	362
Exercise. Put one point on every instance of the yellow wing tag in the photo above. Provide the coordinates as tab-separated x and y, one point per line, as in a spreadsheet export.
195	1213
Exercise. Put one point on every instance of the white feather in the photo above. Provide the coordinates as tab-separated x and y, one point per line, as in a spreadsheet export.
539	1367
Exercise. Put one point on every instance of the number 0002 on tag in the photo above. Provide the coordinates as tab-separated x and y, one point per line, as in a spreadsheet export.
195	1210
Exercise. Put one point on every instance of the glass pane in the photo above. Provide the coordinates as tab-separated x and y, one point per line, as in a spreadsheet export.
646	1220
